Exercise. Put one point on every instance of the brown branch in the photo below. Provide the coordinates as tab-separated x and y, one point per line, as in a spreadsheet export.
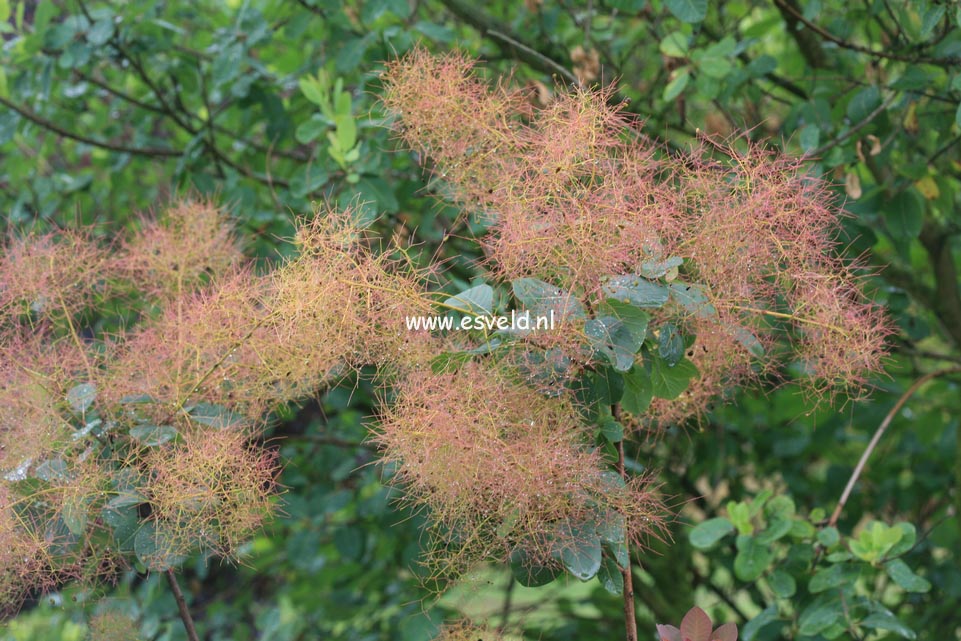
789	8
630	617
182	606
501	34
852	130
102	144
807	42
878	433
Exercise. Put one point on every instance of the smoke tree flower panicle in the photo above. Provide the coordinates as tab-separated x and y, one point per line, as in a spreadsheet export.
210	491
501	467
51	276
574	196
179	251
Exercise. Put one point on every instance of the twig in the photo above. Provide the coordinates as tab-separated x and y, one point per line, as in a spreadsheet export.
878	433
182	606
508	603
850	132
785	7
103	144
630	618
807	42
499	33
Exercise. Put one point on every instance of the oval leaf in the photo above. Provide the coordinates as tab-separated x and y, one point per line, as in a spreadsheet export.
706	534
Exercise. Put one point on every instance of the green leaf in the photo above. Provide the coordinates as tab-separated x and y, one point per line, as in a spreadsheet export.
652	269
611	338
153	435
829	537
618	551
311	129
905	577
809	137
670	382
905	215
674	45
834	576
740	514
46	10
635	320
155	549
753	558
74	514
610	576
885	620
216	416
477	301
909	536
608	386
101	32
821	614
694	299
678	84
638	391
782	583
863	103
529	575
777	528
930	19
611	526
81	397
611	429
313	91
124	521
752	627
378	191
541	298
581	550
447	362
346	132
670	344
705	534
687	10
716	67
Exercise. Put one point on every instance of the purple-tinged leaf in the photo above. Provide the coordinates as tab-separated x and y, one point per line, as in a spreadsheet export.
727	632
668	633
696	625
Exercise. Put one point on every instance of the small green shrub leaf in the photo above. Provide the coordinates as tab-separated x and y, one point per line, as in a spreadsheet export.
610	576
153	435
782	583
705	534
687	10
478	301
81	397
581	551
753	558
635	290
905	577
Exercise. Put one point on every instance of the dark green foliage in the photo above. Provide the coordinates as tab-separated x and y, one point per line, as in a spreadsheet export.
106	109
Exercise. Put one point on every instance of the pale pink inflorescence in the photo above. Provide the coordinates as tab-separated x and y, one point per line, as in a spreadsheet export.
575	196
211	491
35	376
214	337
181	250
51	276
502	467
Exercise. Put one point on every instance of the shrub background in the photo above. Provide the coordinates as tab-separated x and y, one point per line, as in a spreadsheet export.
108	109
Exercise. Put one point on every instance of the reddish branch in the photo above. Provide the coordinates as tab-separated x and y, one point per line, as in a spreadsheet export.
879	433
